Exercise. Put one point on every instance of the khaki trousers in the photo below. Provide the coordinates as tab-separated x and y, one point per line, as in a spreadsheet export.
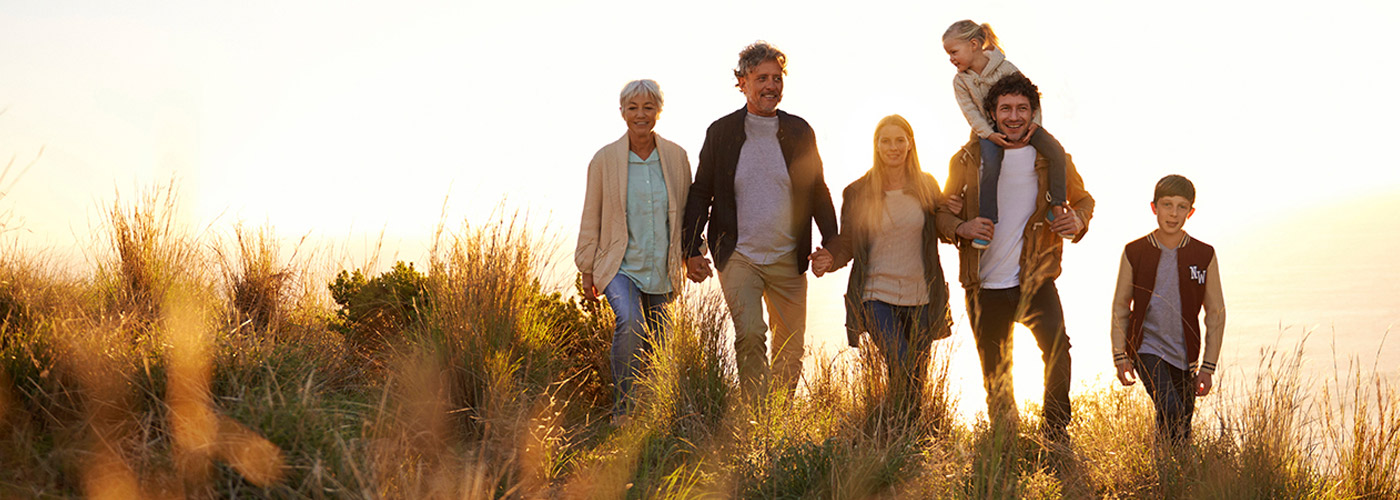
746	286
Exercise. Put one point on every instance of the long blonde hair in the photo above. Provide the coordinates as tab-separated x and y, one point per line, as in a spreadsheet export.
966	30
916	182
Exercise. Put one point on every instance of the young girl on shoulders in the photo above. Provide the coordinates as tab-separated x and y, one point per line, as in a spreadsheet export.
973	50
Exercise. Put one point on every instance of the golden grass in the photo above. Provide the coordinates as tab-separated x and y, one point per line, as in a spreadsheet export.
183	368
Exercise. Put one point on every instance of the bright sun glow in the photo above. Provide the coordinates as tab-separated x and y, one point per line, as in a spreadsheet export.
344	121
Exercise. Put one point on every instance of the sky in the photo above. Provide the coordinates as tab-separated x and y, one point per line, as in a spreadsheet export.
344	120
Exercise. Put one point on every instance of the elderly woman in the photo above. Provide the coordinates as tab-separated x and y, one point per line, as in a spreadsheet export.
629	241
896	292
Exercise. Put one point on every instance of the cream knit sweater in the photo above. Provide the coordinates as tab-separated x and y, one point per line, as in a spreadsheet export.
971	88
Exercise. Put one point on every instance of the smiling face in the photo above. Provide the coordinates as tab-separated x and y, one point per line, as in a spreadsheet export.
1013	115
963	53
893	146
1172	212
640	112
763	87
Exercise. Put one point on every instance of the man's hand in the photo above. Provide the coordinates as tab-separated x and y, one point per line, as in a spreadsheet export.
822	261
980	228
1069	224
1203	384
697	268
590	293
1126	374
954	204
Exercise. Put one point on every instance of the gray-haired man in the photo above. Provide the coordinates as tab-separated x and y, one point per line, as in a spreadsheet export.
758	187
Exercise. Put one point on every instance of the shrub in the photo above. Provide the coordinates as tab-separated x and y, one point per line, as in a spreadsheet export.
372	310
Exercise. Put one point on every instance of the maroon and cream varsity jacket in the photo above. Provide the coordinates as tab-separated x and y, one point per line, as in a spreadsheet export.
1199	280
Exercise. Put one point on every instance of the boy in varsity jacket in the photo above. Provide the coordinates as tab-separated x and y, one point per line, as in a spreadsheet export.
1164	280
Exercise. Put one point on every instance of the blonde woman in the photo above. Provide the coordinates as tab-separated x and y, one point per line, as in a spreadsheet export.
896	291
629	238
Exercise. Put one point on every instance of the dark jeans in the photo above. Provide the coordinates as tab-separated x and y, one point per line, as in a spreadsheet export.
1046	145
640	320
1173	393
993	316
901	335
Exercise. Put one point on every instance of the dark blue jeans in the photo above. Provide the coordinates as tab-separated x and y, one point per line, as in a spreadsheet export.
1046	145
641	319
1173	393
901	335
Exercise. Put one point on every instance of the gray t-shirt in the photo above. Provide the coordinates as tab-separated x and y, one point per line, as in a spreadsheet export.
1161	328
763	194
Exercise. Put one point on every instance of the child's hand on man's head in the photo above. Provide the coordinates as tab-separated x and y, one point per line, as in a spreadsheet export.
1203	383
999	139
1126	375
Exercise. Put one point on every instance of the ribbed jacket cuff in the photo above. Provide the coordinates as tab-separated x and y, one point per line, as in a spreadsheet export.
1120	358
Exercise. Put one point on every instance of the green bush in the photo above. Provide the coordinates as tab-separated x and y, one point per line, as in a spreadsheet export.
371	310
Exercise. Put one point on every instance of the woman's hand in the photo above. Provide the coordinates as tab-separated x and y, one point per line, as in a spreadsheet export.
954	204
590	293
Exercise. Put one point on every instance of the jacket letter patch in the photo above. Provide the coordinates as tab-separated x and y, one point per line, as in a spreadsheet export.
1199	275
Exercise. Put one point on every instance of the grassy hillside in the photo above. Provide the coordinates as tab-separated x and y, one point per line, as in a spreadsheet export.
210	366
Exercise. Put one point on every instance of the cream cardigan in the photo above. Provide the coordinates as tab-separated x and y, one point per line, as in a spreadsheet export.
971	89
602	235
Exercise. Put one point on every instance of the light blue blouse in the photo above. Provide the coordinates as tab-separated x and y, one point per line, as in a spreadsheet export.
648	230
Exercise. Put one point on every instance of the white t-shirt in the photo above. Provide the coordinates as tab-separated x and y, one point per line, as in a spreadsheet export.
1016	197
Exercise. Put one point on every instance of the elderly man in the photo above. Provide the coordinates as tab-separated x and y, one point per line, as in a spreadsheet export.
758	187
1013	280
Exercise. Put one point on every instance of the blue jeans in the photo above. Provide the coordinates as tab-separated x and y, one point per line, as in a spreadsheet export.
640	324
901	335
1173	393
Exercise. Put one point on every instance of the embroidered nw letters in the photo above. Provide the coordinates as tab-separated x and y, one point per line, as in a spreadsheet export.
1199	275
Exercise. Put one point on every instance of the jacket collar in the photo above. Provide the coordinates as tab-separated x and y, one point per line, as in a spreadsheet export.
1152	238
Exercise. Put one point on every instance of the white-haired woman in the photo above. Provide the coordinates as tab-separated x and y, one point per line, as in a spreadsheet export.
629	241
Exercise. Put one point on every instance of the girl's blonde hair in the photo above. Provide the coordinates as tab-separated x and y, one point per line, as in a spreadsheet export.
967	30
916	183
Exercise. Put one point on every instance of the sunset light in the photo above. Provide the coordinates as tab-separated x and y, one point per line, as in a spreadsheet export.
455	137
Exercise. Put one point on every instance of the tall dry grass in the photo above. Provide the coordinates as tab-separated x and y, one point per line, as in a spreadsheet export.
195	365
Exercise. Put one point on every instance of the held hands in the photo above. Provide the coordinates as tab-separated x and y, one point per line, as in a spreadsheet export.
1203	383
590	292
697	268
980	228
1126	375
822	262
